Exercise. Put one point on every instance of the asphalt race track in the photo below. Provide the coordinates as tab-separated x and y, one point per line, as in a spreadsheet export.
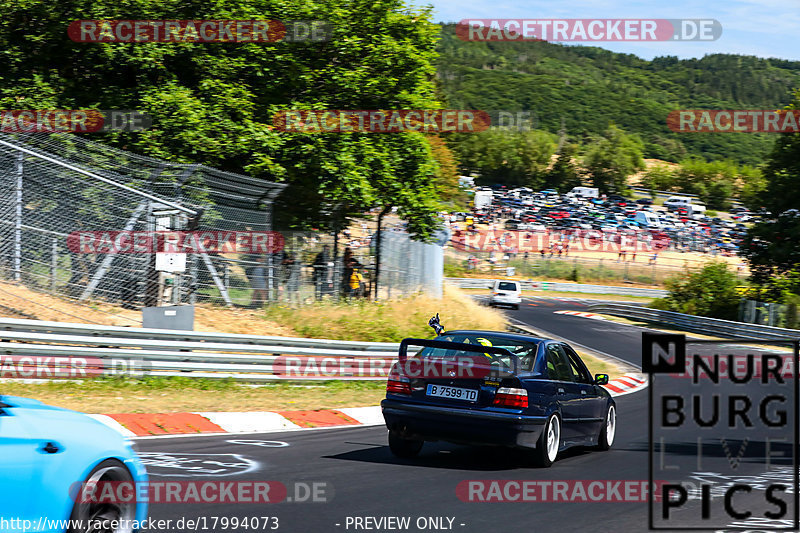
359	484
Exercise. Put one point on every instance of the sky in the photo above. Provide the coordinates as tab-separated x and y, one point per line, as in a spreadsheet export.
763	28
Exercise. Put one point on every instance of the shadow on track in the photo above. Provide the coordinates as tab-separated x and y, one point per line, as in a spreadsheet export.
454	457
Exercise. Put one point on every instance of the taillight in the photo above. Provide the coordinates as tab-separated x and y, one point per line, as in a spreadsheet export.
398	385
508	397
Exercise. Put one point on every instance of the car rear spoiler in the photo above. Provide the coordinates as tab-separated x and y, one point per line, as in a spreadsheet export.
447	345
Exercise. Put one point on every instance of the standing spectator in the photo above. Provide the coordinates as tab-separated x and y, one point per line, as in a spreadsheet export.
356	284
348	264
256	273
323	284
291	277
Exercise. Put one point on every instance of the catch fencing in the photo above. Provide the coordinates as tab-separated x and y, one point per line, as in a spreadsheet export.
56	186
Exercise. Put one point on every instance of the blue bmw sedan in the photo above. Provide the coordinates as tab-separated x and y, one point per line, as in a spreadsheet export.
493	388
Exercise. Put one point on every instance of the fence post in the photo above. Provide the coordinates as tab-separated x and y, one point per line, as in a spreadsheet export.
226	276
18	221
53	262
193	281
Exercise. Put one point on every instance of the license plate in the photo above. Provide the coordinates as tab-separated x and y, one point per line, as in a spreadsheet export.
456	393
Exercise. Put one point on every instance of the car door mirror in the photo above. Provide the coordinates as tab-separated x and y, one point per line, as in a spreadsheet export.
601	379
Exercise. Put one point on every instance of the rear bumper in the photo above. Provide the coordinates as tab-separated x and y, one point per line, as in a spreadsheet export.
507	300
429	422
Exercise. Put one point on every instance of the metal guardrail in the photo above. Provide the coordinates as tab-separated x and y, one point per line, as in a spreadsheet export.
43	326
485	283
36	349
697	324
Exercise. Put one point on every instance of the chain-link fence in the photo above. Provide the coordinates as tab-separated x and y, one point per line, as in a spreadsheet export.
57	189
65	201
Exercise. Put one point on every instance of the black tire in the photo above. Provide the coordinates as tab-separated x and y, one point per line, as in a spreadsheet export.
545	455
123	514
402	447
516	306
608	431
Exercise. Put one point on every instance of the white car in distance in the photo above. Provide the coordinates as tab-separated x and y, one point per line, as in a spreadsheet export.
506	292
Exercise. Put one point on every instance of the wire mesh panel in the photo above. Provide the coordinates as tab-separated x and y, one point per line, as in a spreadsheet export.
66	203
63	197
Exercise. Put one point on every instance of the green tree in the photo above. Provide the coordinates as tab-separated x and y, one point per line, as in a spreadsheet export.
752	187
564	175
612	158
782	171
772	245
214	103
772	248
709	292
502	156
659	178
713	181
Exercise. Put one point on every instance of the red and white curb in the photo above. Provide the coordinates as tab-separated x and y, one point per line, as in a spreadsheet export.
582	314
162	424
139	425
626	384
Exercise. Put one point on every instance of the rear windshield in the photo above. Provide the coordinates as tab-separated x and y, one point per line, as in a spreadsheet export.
507	286
525	351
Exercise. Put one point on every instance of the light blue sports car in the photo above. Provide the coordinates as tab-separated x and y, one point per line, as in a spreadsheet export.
45	454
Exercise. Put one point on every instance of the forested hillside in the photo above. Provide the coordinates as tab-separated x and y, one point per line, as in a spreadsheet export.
589	88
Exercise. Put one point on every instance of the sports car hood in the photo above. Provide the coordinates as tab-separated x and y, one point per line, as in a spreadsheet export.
43	414
27	403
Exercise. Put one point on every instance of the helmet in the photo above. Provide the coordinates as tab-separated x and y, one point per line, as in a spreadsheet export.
485	342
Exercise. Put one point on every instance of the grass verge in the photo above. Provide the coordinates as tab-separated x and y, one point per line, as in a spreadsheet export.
166	395
386	321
